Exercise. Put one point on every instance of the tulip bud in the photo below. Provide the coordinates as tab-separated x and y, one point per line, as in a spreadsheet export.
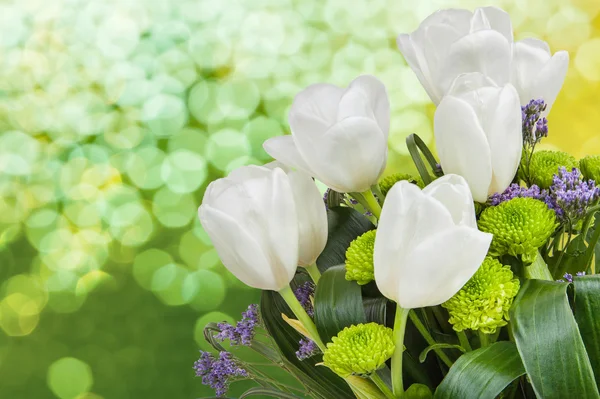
263	222
427	245
451	42
339	136
478	134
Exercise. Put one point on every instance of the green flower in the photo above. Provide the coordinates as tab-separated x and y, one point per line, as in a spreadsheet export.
359	258
386	183
520	226
590	167
359	350
483	303
544	165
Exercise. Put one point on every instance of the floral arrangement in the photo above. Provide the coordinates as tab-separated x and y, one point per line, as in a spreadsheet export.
473	279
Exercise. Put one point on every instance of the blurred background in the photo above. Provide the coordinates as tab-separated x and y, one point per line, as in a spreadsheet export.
114	117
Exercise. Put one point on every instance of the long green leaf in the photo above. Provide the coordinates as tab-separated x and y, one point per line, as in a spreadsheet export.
338	303
483	373
378	311
549	342
587	314
423	354
345	224
320	380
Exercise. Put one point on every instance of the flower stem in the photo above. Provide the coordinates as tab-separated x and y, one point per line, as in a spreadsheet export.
382	386
430	341
484	339
399	330
314	273
464	341
301	315
377	190
372	203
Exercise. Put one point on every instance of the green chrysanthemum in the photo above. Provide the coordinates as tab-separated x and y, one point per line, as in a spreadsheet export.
359	350
386	183
590	167
544	165
520	226
359	258
483	303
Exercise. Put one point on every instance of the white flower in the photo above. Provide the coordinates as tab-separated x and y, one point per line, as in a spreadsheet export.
478	134
452	42
536	73
262	222
427	245
339	136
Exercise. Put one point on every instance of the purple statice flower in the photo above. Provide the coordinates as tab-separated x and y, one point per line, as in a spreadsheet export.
516	191
535	126
568	277
304	293
243	332
353	201
325	196
570	195
218	372
307	348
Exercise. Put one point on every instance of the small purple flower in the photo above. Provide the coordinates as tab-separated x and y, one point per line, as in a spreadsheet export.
568	277
243	332
516	191
325	196
218	373
570	195
535	127
304	293
308	348
353	201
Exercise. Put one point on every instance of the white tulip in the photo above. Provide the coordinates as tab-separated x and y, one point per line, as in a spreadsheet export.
427	245
452	42
262	222
339	136
478	133
536	73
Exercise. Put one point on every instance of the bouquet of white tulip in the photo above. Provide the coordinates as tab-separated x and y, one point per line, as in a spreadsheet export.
473	279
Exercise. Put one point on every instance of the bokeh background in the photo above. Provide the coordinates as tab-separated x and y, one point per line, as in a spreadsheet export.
114	117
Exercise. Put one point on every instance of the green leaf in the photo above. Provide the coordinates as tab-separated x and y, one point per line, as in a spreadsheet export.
270	392
378	311
322	382
549	342
483	373
345	224
338	303
587	311
423	354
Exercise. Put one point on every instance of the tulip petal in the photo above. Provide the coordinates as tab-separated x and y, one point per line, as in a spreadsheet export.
364	150
439	267
284	150
415	59
454	193
319	103
549	80
239	251
376	95
530	56
502	123
462	145
312	217
408	217
485	51
498	20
